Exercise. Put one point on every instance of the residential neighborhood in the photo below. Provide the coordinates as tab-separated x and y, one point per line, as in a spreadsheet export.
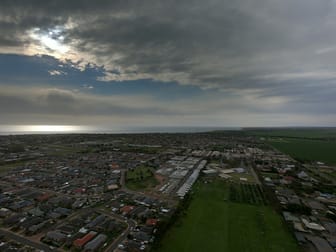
119	192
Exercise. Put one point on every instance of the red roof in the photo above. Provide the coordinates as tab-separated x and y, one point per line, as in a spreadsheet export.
151	222
114	166
81	242
127	209
43	197
79	190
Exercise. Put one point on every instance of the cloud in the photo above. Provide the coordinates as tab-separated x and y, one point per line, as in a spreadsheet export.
58	101
61	106
212	44
86	86
56	72
268	60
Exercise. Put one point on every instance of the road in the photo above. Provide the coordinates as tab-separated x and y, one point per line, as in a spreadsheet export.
250	166
122	178
25	241
131	224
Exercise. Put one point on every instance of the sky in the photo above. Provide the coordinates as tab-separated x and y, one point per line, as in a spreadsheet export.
160	63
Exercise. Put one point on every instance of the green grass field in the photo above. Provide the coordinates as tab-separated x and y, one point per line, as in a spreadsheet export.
139	173
7	167
140	178
310	150
213	223
295	132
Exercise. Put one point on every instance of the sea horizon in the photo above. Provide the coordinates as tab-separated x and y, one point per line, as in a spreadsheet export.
70	129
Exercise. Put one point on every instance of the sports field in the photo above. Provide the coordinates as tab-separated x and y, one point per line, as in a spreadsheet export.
140	178
214	223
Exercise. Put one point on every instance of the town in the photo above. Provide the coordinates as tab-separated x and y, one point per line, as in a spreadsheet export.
122	192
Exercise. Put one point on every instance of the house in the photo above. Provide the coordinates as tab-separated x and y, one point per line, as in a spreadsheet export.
303	175
147	229
79	190
20	205
300	237
315	205
141	237
224	176
299	227
62	211
30	221
126	210
312	225
13	219
36	228
43	197
96	243
139	212
99	219
227	171
112	187
79	243
289	217
330	227
78	203
151	222
210	172
36	212
133	245
239	170
55	237
4	212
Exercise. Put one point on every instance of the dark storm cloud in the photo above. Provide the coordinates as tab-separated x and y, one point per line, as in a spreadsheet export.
206	43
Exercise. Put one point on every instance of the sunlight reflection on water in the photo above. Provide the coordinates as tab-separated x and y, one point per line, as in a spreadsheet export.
42	128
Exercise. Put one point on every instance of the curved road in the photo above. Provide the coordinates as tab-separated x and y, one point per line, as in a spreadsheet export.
131	224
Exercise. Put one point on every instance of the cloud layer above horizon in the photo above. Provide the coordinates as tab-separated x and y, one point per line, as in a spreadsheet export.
199	63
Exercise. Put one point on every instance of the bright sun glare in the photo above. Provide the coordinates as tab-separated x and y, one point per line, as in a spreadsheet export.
51	128
53	44
52	40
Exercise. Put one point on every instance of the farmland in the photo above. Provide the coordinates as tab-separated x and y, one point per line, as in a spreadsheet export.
306	150
303	144
246	193
312	133
214	223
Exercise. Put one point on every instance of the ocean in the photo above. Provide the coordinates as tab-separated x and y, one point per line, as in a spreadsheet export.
71	129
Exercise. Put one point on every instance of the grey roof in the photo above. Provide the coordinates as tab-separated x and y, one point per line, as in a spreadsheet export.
320	244
289	217
99	219
330	226
95	243
56	235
